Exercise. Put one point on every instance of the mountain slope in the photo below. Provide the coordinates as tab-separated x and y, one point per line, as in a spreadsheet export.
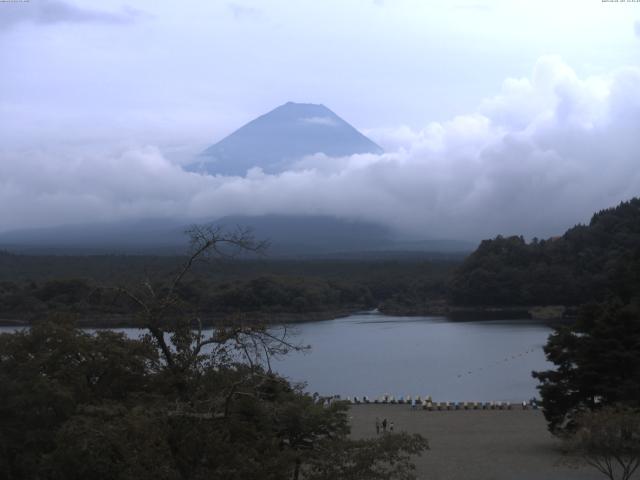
289	235
276	139
130	236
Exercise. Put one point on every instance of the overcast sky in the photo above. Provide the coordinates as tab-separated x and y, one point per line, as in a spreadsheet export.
497	116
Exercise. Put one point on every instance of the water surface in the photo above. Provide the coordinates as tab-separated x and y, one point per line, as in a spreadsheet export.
373	354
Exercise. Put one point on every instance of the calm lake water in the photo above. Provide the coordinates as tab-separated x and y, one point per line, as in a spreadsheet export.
373	354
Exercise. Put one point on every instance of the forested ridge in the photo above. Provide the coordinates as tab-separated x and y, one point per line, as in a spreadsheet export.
591	262
33	286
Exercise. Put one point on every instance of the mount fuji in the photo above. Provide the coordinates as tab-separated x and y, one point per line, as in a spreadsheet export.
277	139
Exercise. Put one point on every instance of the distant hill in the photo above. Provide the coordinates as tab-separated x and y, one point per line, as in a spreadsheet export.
276	139
300	235
588	263
125	236
289	235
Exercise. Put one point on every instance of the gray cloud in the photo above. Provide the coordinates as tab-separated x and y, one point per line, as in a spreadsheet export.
58	11
540	156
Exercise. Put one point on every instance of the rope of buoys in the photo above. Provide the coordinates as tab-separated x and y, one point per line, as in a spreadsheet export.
426	401
498	362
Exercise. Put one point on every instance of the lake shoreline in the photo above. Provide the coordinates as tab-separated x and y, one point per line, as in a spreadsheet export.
252	318
469	313
450	313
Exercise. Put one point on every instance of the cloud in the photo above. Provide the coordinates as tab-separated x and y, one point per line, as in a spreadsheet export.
636	28
540	156
326	121
240	11
48	12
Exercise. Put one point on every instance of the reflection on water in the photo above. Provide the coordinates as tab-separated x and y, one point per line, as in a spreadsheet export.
372	354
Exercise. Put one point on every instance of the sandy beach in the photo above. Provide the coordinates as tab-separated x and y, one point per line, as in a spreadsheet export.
477	444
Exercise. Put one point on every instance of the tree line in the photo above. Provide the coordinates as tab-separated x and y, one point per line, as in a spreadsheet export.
266	294
84	286
590	262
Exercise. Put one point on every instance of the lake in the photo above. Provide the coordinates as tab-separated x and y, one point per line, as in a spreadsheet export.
373	354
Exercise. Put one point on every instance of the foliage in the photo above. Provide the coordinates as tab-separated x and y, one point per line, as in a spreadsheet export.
177	403
387	458
268	287
597	363
51	371
588	263
609	440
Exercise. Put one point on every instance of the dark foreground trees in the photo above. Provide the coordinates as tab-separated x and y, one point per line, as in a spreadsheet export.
176	403
597	364
592	398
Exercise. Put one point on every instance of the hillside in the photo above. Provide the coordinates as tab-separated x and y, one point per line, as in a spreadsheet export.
288	236
588	263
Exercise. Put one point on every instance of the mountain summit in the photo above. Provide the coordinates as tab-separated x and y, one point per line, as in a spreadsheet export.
276	139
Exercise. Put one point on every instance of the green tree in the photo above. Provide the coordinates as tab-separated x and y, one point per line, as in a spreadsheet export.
387	458
49	373
597	363
178	403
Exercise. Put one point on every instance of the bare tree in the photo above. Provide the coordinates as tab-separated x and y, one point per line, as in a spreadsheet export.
180	337
609	440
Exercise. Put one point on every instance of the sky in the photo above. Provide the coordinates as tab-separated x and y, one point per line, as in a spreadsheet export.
512	117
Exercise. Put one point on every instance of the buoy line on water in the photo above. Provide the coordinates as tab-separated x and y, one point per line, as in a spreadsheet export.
427	403
506	359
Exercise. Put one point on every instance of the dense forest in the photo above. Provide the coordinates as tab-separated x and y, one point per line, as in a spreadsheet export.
591	262
268	289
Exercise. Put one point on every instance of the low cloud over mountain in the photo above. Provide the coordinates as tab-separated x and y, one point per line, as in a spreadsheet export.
538	157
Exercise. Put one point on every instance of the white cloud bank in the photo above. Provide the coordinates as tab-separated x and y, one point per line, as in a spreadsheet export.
540	156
